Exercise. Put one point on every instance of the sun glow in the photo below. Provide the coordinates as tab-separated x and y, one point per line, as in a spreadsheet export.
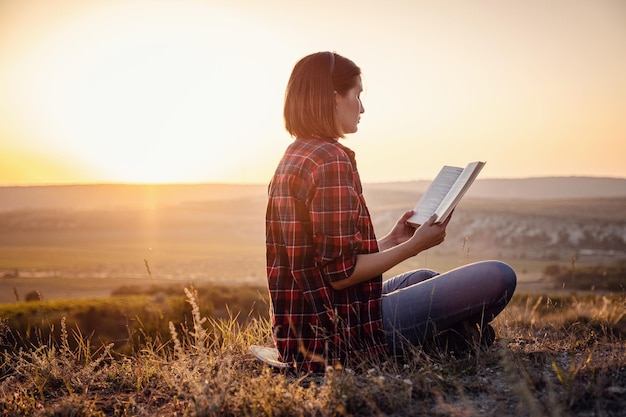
144	93
191	90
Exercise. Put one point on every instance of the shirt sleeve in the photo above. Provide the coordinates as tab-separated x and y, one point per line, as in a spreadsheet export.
334	213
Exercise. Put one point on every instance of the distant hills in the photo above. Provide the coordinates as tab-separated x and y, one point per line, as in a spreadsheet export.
541	188
112	196
107	196
206	229
550	188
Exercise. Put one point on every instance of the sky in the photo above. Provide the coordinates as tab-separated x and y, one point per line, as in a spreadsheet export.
181	91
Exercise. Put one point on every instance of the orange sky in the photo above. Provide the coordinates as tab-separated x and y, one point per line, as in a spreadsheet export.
191	91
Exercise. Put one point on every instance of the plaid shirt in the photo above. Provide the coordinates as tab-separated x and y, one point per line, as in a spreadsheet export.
316	224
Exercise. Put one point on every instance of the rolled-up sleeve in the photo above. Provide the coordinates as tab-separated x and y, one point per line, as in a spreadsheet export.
334	209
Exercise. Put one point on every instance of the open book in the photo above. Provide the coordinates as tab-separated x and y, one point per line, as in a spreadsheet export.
445	192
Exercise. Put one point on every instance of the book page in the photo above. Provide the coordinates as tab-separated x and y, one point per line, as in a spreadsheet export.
435	193
458	189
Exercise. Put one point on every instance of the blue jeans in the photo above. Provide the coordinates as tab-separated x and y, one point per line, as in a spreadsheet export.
419	304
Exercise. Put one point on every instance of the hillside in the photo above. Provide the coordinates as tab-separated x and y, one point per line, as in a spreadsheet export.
541	188
149	196
215	233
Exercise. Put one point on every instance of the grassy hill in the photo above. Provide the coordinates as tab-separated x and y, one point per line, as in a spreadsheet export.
554	356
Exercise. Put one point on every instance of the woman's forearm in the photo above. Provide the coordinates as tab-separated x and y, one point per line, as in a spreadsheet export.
372	265
386	243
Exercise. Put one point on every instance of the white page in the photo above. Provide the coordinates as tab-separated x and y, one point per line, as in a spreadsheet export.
435	192
455	194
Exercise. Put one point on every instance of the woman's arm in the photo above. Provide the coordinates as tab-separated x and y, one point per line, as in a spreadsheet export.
373	264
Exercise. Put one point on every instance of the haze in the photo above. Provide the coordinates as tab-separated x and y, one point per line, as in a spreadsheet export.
191	91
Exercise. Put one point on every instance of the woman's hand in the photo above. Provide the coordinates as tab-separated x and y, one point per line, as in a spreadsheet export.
429	234
400	233
391	253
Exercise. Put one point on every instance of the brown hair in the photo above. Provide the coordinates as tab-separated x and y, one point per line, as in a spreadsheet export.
310	96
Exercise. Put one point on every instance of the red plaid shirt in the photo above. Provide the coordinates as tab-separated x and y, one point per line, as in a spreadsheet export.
316	224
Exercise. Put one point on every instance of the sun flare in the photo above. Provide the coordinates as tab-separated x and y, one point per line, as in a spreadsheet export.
192	90
145	94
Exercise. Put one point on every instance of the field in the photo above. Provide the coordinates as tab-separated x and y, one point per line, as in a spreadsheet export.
58	251
111	330
554	356
86	241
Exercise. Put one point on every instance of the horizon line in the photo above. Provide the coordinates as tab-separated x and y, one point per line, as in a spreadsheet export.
243	183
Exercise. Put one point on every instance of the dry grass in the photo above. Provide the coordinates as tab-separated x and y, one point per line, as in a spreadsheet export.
560	356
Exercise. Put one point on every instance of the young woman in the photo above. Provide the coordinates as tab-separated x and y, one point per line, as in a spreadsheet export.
324	262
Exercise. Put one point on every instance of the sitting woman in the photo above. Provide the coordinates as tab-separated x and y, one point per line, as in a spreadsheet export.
329	304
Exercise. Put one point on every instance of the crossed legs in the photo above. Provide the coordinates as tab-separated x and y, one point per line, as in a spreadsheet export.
419	304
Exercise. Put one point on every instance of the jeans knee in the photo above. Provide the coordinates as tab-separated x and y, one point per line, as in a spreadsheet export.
507	277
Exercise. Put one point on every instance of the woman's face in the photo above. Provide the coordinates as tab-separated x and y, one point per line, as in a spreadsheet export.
349	108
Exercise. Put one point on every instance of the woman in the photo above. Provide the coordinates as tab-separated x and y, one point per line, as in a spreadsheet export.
324	262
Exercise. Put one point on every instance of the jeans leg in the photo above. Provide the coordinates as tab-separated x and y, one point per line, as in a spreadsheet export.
407	279
478	291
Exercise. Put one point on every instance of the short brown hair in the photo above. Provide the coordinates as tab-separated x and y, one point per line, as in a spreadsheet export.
310	96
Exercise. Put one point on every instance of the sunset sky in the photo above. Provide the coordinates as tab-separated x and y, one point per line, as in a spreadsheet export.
191	91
